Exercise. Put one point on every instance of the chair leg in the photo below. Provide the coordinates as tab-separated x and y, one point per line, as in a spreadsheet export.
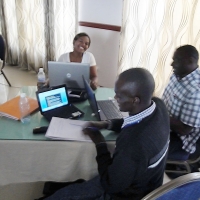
6	78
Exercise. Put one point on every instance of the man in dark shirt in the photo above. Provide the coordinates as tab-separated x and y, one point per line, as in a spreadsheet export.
137	165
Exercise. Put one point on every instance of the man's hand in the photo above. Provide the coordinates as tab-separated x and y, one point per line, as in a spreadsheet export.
179	127
94	134
98	125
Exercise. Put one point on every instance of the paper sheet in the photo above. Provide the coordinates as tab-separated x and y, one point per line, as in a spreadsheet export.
66	129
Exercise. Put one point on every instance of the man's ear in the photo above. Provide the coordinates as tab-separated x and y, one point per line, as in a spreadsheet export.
136	100
192	60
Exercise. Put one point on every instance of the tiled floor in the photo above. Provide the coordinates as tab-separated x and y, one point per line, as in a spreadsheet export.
18	78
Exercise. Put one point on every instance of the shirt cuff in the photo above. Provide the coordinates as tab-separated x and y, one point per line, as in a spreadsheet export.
110	125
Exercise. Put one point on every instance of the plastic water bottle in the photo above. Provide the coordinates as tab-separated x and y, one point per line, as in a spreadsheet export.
41	78
24	108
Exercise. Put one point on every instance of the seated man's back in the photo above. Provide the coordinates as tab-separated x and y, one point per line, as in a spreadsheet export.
138	163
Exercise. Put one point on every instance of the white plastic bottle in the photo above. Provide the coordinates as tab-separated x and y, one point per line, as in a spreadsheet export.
41	78
24	108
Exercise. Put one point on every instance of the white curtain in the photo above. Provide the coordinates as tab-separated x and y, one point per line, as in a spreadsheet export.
152	30
38	30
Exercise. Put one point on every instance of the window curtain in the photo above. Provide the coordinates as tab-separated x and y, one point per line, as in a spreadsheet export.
37	31
152	30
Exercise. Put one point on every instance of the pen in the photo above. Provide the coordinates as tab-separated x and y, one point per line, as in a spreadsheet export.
92	128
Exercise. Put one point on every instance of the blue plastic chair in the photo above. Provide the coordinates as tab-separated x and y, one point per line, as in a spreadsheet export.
186	187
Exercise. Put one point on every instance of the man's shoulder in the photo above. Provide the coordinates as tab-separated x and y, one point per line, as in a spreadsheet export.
192	83
160	105
157	100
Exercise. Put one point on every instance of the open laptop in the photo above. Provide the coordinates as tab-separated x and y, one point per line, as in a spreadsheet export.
54	102
69	74
103	109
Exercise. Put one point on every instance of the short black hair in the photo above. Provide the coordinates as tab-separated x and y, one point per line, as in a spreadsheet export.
189	50
82	35
143	80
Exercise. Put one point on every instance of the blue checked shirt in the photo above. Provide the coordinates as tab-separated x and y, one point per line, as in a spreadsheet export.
182	99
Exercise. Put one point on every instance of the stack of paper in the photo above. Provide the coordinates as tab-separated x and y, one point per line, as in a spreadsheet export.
66	129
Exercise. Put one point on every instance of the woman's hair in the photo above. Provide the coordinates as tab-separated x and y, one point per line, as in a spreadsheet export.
81	35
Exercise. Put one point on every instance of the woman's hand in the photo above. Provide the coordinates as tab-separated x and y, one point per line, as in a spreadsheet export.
93	77
94	84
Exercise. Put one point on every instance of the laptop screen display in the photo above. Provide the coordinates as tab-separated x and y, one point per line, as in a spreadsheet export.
53	99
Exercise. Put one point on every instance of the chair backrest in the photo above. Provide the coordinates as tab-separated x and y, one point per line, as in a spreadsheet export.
2	49
184	188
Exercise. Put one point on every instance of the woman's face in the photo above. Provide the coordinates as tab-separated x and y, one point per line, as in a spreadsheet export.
81	44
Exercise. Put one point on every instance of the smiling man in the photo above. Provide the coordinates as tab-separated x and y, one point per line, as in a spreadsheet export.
137	165
182	99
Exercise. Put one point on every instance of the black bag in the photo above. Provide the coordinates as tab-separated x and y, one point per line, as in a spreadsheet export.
77	96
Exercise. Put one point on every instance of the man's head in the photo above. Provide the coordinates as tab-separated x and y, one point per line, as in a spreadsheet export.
134	89
185	60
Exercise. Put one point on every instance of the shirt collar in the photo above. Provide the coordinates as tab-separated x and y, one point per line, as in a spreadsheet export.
189	76
138	117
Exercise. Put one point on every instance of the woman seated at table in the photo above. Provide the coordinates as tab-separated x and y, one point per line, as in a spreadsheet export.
79	54
81	43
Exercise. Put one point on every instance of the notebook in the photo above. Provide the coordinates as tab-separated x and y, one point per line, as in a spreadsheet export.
69	74
11	108
103	109
54	102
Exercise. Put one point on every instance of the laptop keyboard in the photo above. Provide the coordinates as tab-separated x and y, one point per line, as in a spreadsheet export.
109	109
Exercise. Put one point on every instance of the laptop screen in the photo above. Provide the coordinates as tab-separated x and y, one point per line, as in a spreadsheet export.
52	99
92	99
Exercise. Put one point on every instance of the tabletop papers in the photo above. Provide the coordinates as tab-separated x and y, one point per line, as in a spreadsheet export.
66	129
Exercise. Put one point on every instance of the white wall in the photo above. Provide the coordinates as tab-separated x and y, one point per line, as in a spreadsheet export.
105	43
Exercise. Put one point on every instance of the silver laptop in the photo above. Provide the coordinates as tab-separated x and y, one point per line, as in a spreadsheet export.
69	74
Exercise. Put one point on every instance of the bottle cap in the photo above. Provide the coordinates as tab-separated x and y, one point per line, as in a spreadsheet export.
40	69
22	94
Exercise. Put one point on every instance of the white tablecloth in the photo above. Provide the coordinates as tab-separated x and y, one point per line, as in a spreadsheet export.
30	161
